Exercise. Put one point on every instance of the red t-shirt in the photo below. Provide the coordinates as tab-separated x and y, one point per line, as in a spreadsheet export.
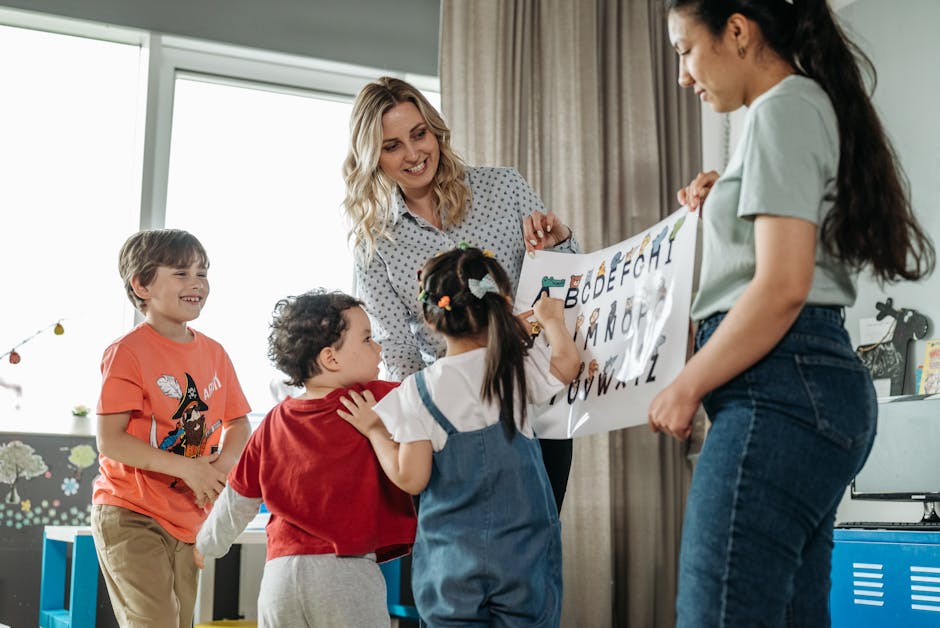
181	397
322	483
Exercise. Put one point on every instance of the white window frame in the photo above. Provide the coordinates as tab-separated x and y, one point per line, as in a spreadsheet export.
172	56
163	58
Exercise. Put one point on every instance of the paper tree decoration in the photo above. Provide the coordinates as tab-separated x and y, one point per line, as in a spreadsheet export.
19	461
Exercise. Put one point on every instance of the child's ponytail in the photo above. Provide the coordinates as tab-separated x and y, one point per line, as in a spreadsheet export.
465	295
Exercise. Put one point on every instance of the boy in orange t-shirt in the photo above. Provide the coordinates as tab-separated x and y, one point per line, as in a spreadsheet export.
169	397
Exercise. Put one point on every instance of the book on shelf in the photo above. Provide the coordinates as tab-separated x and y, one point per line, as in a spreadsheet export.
930	376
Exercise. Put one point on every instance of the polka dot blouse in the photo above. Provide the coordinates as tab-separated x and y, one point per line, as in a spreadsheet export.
388	284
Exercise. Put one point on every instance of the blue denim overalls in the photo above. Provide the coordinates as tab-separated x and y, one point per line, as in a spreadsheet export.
488	547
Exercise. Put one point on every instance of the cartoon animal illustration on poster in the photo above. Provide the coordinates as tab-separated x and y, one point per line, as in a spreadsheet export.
627	308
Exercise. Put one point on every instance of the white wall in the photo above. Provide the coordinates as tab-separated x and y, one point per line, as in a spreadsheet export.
900	38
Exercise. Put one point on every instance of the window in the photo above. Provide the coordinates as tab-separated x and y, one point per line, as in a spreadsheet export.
69	169
105	130
255	174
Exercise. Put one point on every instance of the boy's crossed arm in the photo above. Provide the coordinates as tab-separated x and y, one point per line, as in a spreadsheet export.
408	465
205	475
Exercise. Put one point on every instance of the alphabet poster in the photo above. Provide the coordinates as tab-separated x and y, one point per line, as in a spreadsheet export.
627	308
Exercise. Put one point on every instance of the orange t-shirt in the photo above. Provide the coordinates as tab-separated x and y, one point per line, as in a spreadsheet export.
180	396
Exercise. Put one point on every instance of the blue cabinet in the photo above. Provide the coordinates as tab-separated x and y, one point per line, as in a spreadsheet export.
885	578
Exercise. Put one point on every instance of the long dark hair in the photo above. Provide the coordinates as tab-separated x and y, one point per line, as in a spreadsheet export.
872	222
452	309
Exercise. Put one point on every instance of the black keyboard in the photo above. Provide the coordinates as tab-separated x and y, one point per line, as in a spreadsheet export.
892	525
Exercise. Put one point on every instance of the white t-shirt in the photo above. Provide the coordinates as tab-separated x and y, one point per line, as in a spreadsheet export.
454	383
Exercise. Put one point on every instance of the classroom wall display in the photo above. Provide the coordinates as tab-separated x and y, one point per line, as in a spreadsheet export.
46	480
929	383
627	308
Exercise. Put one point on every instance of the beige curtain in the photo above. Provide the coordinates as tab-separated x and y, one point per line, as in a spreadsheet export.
582	98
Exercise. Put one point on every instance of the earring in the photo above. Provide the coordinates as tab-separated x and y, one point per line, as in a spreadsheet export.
741	51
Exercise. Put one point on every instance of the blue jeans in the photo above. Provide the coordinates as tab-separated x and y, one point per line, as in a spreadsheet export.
787	436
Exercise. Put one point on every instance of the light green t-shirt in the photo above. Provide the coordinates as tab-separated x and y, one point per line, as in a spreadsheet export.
784	165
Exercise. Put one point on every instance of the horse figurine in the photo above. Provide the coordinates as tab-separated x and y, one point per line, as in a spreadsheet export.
888	360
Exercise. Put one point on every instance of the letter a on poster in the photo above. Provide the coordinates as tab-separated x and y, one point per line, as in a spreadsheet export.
627	308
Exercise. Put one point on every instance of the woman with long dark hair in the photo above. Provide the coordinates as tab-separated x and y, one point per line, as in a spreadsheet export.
812	195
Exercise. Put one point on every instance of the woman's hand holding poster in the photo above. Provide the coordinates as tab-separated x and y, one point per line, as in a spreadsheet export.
627	308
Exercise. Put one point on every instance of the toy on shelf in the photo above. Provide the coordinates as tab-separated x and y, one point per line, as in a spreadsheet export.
887	358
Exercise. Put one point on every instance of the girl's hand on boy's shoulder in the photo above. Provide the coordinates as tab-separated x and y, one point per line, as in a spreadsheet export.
360	413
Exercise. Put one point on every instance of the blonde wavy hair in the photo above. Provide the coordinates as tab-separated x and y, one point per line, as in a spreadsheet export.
369	191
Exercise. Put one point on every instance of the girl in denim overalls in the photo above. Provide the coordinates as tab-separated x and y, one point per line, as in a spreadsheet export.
488	548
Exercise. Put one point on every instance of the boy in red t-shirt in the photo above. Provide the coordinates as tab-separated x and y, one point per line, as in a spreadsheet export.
334	514
169	396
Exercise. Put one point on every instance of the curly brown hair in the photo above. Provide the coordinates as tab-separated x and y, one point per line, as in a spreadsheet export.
304	325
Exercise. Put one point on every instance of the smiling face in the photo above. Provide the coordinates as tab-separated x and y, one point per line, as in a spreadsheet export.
410	152
175	296
358	355
710	65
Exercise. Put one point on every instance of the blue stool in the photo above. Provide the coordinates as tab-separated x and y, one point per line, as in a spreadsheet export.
392	572
83	593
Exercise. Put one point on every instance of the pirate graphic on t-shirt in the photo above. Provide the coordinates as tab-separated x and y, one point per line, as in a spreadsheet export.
189	436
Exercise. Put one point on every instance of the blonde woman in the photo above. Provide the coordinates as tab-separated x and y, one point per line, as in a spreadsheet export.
409	197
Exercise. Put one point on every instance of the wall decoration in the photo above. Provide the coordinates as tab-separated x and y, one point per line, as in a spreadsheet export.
888	358
57	328
19	461
930	376
81	457
49	478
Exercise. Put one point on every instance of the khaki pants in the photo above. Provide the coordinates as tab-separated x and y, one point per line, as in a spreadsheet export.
151	576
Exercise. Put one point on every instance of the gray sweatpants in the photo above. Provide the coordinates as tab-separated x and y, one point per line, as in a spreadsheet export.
322	591
314	590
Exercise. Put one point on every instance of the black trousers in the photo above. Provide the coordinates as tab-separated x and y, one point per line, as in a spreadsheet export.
557	457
